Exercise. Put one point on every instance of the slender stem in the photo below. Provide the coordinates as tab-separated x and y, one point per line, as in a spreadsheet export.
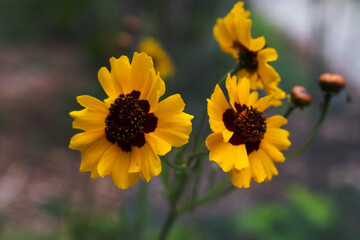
211	178
170	219
177	167
232	72
289	110
199	154
184	176
141	210
210	196
174	199
207	195
315	131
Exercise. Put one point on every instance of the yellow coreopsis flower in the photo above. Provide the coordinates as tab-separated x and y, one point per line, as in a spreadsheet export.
244	141
162	61
233	33
124	134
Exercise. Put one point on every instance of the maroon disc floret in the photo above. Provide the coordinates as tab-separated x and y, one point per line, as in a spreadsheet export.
128	120
248	125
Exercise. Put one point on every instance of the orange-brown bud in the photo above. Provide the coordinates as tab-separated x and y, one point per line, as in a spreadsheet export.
132	23
125	40
300	97
331	82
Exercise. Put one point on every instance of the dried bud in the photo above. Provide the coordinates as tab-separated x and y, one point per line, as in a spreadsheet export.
132	23
331	82
300	97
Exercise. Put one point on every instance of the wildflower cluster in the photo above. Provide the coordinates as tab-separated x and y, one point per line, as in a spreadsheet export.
124	134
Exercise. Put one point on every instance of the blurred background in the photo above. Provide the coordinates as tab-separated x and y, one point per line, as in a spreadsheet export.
50	52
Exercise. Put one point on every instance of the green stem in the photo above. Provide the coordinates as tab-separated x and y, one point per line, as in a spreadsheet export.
174	199
289	110
315	131
232	72
141	210
199	154
208	197
185	177
170	219
177	167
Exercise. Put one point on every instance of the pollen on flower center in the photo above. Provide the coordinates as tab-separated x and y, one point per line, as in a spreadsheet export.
125	120
250	123
247	58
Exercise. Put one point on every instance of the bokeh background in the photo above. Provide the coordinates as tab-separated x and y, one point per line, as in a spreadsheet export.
50	52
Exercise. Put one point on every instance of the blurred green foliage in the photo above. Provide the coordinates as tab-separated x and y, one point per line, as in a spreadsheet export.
306	215
303	214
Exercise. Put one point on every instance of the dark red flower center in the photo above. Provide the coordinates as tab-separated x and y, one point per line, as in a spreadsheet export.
248	125
128	120
247	58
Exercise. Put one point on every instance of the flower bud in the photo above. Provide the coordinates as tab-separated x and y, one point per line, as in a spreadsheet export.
125	40
300	97
132	23
331	82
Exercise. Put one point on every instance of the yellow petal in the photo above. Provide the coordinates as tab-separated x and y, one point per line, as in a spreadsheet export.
227	135
231	86
90	156
272	151
85	139
257	168
244	90
263	103
238	9
120	171
120	72
276	121
257	44
253	98
217	105
159	145
156	90
243	30
135	161
240	156
87	119
106	162
241	179
174	126
276	93
144	79
268	165
226	155
277	137
150	162
267	55
107	83
222	36
92	103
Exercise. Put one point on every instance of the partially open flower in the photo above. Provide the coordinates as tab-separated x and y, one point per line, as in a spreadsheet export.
233	33
331	82
300	97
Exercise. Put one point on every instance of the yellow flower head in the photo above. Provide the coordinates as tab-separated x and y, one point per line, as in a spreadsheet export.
233	33
161	59
245	142
124	134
